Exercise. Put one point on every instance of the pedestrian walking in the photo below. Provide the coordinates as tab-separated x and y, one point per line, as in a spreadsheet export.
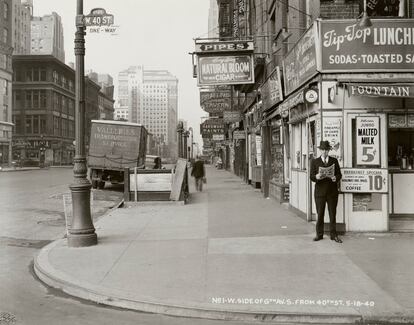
199	174
326	174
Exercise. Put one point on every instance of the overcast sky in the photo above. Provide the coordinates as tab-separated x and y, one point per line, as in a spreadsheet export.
155	33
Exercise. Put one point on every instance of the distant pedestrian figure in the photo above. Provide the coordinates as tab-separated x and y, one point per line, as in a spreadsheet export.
199	174
157	163
326	173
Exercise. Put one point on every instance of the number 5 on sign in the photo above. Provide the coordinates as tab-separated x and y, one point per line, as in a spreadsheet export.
367	140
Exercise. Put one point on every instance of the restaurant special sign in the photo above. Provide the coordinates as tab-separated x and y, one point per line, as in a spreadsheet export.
300	63
364	180
388	45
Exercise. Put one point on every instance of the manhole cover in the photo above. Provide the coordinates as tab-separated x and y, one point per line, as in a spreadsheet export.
7	318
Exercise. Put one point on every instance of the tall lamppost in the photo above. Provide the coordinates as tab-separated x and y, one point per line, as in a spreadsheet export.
185	150
192	139
180	130
82	232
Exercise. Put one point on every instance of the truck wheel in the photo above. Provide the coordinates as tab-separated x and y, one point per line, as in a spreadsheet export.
94	184
101	185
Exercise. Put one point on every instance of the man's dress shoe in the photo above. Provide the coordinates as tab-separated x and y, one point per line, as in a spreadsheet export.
317	238
337	239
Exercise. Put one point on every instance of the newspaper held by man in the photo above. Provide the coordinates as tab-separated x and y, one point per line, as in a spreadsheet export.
327	171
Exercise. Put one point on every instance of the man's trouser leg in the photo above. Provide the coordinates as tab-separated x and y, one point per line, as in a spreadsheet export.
320	209
332	203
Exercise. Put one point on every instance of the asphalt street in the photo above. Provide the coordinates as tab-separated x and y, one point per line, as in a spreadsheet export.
32	215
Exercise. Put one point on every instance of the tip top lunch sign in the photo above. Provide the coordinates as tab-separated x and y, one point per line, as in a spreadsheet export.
97	21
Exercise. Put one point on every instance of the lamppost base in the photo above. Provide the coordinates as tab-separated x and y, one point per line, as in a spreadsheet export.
82	232
82	240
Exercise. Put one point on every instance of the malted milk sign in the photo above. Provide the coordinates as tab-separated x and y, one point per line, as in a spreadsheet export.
368	140
361	180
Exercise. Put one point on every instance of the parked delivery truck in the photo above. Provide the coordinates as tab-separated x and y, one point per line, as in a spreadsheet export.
113	147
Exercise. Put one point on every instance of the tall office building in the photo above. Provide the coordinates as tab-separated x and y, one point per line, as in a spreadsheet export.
151	97
6	73
21	26
213	26
47	36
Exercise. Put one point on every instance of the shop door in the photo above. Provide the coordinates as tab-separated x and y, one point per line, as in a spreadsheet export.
366	211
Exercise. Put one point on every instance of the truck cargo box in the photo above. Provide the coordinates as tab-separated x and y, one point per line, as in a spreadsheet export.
114	146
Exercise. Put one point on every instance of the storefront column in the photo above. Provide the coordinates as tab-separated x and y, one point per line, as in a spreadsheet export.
267	156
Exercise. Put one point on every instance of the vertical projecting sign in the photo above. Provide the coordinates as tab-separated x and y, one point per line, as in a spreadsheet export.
368	140
224	63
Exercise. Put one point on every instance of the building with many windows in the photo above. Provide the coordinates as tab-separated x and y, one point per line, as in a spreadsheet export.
6	50
44	109
151	98
47	36
21	26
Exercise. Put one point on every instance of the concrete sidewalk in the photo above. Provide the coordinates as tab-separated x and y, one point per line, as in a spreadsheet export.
231	254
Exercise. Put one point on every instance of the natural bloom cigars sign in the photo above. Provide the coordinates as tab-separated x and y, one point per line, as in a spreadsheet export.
222	70
388	45
224	63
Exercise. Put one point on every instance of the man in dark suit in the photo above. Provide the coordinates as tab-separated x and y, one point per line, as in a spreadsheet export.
199	174
326	189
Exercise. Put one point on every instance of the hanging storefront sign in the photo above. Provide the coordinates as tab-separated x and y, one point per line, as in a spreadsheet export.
225	70
388	45
216	106
361	180
258	150
397	121
381	90
210	127
272	89
311	95
214	95
332	128
207	47
218	137
300	63
239	135
232	116
368	140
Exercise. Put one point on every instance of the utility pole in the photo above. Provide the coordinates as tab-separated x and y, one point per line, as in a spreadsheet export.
82	232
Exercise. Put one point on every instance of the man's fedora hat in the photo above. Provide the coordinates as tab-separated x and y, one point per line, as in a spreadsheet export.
324	145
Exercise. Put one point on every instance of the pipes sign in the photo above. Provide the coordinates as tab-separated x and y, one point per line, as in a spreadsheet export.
368	140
